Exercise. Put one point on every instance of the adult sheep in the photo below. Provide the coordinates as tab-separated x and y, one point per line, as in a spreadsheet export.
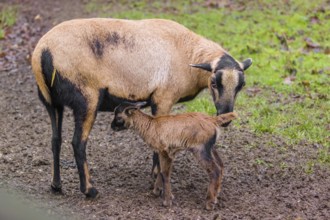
95	64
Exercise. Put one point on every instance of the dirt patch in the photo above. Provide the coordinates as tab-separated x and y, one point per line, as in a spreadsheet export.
265	177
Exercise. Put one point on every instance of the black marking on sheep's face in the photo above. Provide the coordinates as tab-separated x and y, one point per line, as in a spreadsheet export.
207	149
227	62
97	47
119	122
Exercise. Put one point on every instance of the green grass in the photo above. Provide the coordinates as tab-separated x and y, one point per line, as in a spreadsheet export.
299	111
7	19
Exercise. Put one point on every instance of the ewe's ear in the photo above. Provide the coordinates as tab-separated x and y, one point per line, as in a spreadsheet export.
204	66
247	63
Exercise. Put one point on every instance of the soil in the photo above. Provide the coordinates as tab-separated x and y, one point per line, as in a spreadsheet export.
265	177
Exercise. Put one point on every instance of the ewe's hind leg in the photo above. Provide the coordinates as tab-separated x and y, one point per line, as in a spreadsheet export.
84	120
165	173
56	116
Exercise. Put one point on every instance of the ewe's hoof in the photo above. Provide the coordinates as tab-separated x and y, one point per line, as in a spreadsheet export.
56	189
92	193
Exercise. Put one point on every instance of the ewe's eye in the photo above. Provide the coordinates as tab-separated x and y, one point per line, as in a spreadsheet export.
213	84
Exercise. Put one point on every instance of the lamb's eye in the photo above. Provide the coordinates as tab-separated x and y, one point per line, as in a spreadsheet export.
119	121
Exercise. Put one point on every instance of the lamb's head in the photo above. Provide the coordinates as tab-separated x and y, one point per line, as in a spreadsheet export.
123	115
226	80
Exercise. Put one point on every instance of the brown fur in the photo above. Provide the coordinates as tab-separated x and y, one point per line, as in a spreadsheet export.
173	133
69	43
134	60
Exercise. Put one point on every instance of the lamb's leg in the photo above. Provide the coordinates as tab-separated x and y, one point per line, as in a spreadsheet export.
208	162
158	185
220	164
165	174
161	104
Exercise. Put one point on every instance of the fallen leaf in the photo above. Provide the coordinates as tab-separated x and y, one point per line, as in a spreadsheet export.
289	80
314	19
283	41
252	91
37	17
311	44
305	83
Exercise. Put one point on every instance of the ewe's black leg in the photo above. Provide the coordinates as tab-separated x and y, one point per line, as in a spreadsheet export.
84	121
56	117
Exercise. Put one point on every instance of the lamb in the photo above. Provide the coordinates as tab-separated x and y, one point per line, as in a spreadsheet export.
167	135
93	65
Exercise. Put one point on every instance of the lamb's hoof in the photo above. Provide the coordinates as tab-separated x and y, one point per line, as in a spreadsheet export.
157	191
167	203
56	189
92	193
210	206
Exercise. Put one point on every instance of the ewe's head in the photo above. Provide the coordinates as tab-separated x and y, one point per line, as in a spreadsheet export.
123	115
226	80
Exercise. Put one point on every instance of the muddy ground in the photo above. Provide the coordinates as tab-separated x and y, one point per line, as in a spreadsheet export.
265	178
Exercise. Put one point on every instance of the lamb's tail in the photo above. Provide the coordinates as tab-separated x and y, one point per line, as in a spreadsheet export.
227	117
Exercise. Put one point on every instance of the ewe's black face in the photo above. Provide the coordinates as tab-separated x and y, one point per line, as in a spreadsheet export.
226	81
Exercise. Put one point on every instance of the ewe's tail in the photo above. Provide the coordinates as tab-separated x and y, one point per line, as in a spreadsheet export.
42	66
225	118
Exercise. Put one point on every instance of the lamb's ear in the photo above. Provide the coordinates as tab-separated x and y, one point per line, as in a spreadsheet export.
140	104
129	110
246	63
204	66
